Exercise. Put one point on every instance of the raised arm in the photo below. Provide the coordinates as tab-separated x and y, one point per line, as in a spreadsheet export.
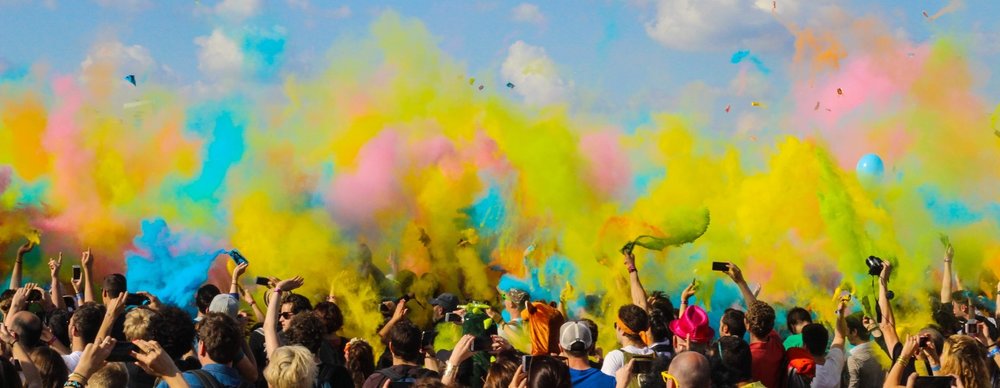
87	262
55	288
689	291
737	275
946	281
840	328
17	303
896	372
888	322
32	377
397	315
271	340
234	286
15	276
248	297
635	285
116	307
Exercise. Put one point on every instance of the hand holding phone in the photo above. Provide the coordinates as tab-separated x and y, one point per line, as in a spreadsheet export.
76	272
720	266
237	257
263	281
934	382
481	344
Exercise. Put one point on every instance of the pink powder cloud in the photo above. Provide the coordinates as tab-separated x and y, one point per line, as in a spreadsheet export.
608	167
357	196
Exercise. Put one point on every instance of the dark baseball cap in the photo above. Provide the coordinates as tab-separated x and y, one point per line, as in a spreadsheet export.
449	302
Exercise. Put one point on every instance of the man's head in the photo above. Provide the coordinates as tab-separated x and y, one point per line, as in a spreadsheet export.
575	339
760	319
730	361
114	285
935	336
86	322
203	298
333	318
6	297
28	328
691	369
113	374
815	337
306	329
173	329
856	331
404	342
137	324
292	304
226	304
797	318
632	320
514	299
733	323
443	304
220	339
960	301
592	326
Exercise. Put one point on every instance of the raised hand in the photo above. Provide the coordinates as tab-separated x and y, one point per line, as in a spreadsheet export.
735	273
154	302
87	259
689	291
116	306
239	270
94	357
400	312
54	265
290	284
886	271
153	359
24	249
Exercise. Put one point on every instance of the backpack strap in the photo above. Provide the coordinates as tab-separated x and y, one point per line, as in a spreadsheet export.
206	379
396	377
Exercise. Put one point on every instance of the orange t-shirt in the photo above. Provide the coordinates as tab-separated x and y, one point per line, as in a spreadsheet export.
543	322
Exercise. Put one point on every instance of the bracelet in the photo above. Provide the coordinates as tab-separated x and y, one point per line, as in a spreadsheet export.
73	384
450	368
631	268
277	290
935	368
903	362
51	341
80	377
993	353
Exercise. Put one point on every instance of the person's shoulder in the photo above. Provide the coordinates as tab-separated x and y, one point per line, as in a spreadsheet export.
376	380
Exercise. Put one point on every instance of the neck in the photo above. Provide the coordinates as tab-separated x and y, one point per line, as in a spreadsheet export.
754	338
399	361
626	341
577	362
856	341
77	344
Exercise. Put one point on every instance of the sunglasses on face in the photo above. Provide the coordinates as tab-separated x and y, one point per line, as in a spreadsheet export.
287	315
669	380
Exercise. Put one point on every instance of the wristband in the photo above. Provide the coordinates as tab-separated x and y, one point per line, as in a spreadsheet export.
80	376
631	268
278	290
51	341
73	384
935	368
993	353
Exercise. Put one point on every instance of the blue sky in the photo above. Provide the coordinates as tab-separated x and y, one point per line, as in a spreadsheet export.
606	50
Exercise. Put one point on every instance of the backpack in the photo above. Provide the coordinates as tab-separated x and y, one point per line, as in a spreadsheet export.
801	368
797	380
408	377
206	379
636	381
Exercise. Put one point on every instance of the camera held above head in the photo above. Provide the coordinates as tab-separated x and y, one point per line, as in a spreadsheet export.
874	265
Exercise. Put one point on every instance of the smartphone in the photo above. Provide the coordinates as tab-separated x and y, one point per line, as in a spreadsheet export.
972	328
934	382
76	272
481	344
34	295
720	266
237	257
923	341
17	364
452	317
136	300
526	363
641	366
122	352
263	281
427	338
70	302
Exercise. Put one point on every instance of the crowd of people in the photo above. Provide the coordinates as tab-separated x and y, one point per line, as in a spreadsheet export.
132	339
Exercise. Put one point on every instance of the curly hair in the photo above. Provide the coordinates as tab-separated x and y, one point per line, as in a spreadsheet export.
306	329
221	336
291	366
360	360
963	357
172	328
86	321
760	319
331	315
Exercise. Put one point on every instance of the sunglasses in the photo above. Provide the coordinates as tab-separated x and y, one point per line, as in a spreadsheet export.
287	315
669	380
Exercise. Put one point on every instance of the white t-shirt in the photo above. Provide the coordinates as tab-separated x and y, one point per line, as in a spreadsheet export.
72	360
615	359
829	374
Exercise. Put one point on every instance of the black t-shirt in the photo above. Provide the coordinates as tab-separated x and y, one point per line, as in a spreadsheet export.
333	376
910	367
405	372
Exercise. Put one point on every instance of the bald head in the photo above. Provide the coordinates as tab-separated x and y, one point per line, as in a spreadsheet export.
28	328
691	370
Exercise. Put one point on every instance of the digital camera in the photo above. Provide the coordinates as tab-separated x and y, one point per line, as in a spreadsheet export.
874	265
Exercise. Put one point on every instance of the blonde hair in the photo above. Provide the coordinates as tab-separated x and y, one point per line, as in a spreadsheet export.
111	375
962	356
291	366
137	324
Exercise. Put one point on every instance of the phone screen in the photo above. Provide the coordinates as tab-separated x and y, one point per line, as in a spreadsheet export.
641	366
76	272
237	257
481	343
526	363
720	266
452	317
122	352
136	300
934	382
262	281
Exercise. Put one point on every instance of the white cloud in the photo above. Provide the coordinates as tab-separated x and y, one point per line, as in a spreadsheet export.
238	9
219	56
534	74
133	59
720	24
528	13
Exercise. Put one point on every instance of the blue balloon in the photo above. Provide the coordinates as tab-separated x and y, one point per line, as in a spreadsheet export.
870	166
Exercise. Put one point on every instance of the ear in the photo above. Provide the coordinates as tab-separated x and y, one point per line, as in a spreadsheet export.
391	351
202	351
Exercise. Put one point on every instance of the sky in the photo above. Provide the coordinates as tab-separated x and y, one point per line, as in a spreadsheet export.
793	137
614	56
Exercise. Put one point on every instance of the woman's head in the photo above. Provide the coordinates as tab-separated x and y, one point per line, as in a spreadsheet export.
548	372
291	366
50	365
360	360
632	320
962	356
502	371
137	324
